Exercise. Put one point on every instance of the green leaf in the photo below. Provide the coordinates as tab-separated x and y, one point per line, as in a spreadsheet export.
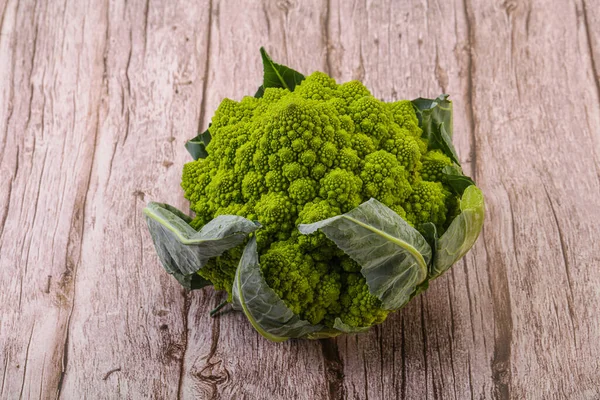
454	177
429	232
393	255
274	75
267	313
277	75
462	232
182	250
438	110
197	146
260	92
435	117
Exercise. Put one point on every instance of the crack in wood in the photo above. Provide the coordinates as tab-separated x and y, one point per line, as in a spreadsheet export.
471	109
4	373
48	283
334	369
266	17
470	377
109	373
403	385
366	374
503	331
8	197
440	74
424	339
26	360
185	316
202	115
325	37
563	250
12	92
451	333
588	35
146	23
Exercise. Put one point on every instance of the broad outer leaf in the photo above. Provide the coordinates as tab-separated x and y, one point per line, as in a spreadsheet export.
183	250
393	255
267	313
462	232
436	121
277	75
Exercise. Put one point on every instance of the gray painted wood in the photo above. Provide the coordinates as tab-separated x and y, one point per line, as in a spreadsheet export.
97	100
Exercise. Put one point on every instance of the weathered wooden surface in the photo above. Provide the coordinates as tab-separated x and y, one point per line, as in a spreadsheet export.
97	99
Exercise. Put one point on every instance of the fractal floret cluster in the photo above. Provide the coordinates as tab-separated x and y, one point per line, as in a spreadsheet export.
302	156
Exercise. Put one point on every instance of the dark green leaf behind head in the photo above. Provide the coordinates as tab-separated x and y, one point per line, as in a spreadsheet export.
277	75
454	178
197	146
260	92
429	232
435	116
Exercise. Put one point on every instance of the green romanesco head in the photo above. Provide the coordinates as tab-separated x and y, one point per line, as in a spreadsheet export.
290	158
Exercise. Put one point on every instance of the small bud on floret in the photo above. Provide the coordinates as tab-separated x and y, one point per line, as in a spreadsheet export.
302	190
384	178
433	163
403	113
353	90
342	189
370	117
427	203
405	148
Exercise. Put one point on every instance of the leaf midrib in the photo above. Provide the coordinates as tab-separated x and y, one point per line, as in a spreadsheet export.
272	64
412	251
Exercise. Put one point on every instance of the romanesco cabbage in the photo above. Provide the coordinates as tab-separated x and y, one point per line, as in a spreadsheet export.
290	158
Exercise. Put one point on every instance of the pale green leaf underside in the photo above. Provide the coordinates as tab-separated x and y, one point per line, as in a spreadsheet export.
393	255
267	313
183	250
462	232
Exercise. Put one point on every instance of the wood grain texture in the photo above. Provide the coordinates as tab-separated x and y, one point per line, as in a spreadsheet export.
97	100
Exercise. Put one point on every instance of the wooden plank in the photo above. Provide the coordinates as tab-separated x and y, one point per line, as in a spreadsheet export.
128	316
225	357
535	161
50	81
439	344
